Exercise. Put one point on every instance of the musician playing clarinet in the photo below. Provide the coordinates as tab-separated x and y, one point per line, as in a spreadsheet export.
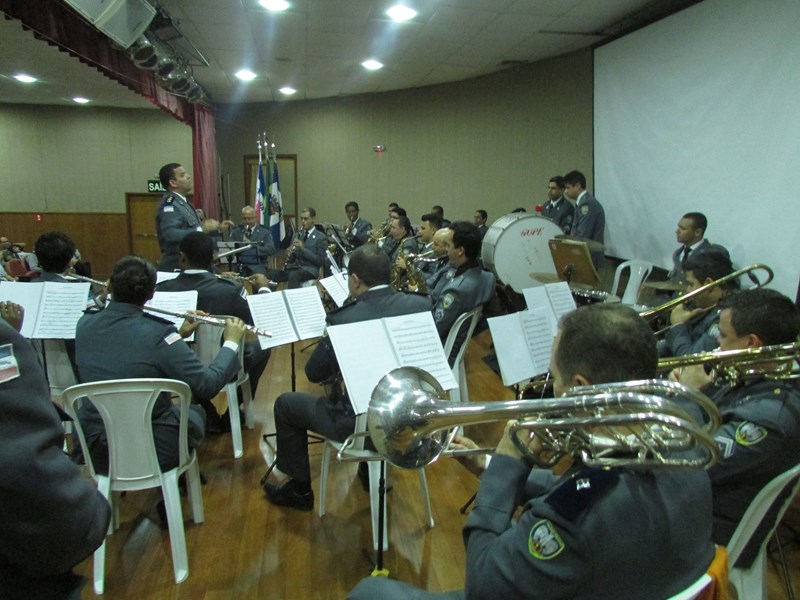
307	253
254	260
599	533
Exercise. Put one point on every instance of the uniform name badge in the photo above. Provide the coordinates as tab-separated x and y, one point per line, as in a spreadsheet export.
9	368
169	209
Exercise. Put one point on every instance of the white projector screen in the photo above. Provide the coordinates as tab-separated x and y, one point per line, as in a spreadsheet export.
701	112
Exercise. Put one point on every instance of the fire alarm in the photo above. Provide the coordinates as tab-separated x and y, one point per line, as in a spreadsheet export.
379	148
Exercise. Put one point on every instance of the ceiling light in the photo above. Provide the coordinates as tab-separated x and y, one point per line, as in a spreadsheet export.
245	75
372	65
288	91
276	5
80	100
401	13
24	78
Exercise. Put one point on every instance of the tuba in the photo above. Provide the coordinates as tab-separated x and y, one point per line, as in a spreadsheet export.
650	422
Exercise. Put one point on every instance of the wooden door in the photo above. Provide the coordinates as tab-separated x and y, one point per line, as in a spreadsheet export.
142	225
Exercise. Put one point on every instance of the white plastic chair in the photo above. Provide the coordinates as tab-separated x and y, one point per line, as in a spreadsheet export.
358	451
694	590
751	583
207	342
461	394
639	270
126	407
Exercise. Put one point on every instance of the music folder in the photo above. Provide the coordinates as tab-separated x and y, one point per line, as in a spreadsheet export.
573	262
336	286
289	315
52	309
368	350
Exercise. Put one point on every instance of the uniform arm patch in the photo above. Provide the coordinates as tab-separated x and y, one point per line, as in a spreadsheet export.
544	543
749	434
172	338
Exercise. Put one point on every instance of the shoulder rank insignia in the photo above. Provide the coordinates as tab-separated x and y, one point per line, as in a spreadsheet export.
585	210
447	300
544	542
725	446
713	331
749	434
168	200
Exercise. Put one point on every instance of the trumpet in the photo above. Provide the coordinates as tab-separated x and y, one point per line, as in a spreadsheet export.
650	422
656	311
776	362
210	320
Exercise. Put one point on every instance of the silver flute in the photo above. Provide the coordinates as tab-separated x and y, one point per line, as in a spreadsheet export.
210	320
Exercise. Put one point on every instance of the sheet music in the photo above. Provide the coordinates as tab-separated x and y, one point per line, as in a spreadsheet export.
538	298
61	308
416	344
336	286
270	312
539	338
27	295
179	302
166	275
362	370
52	309
560	298
511	347
307	311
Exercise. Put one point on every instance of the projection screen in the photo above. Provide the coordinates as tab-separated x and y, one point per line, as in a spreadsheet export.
701	112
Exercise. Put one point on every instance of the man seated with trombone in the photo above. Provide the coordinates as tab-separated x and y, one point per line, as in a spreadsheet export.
625	531
288	480
122	341
216	295
760	434
695	328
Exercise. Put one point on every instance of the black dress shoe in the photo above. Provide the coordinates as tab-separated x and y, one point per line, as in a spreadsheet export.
287	494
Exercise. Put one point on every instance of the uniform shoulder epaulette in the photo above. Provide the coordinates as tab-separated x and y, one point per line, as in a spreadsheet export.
152	317
168	199
580	491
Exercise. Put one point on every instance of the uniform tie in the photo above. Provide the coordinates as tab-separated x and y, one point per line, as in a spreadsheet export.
686	251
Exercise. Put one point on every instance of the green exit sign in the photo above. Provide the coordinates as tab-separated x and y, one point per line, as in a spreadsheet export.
154	185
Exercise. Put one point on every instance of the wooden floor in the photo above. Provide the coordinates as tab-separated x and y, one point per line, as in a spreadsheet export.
248	548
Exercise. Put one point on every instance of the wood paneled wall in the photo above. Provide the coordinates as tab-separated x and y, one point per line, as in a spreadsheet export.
101	238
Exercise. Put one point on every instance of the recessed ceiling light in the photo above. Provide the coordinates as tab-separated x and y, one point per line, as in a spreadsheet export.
372	65
245	75
276	5
24	78
287	90
401	13
80	100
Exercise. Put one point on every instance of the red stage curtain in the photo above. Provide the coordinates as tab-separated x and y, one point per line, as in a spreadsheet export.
204	144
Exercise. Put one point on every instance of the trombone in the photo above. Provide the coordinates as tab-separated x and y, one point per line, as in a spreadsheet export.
775	362
210	320
656	311
650	422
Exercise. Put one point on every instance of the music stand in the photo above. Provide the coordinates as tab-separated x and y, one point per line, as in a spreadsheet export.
573	262
336	233
223	247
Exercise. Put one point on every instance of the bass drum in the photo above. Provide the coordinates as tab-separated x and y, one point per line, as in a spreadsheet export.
515	249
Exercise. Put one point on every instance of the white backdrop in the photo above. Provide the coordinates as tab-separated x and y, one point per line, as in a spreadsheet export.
701	112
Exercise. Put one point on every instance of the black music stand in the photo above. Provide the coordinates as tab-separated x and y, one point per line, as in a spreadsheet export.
223	247
574	262
248	258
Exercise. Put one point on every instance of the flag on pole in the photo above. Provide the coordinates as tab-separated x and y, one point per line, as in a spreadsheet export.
276	226
261	189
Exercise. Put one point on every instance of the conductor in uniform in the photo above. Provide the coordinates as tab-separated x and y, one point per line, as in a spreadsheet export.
253	260
593	533
175	217
288	482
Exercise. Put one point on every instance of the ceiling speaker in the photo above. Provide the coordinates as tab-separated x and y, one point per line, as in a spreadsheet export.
121	20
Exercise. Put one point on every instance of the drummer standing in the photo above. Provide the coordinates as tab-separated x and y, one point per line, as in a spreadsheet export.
590	218
558	209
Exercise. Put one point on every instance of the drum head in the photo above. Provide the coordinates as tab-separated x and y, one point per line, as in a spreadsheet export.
515	249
